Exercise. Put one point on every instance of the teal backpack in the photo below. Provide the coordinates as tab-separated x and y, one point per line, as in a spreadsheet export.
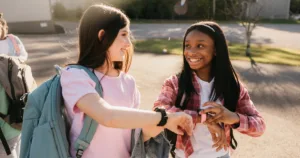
45	127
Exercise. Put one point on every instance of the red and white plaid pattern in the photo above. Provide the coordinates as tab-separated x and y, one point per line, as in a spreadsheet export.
251	122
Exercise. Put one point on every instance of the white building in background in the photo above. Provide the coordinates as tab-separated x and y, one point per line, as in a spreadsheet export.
272	9
28	16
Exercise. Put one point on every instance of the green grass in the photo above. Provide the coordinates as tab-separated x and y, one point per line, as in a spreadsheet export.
158	45
261	54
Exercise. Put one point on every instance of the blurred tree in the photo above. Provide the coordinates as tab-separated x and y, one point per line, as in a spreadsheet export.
134	8
295	6
59	11
247	12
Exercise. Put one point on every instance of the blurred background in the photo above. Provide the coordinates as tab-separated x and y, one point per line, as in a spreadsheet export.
263	38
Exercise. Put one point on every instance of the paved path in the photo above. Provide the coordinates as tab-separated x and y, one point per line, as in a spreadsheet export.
276	35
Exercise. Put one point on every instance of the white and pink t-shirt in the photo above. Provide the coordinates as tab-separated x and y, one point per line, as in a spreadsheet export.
117	91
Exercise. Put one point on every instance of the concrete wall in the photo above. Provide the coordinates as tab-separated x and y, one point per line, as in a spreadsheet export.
272	9
28	16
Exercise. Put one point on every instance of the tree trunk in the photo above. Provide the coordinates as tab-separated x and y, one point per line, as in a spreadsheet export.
214	9
248	49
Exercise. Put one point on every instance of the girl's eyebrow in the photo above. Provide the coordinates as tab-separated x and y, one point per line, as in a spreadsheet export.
125	31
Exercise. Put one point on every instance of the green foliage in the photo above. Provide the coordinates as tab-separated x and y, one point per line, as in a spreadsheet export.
59	11
295	6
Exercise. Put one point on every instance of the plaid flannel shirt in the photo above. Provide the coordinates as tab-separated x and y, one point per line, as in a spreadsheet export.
251	122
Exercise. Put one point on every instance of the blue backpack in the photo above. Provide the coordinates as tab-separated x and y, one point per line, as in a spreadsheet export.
45	127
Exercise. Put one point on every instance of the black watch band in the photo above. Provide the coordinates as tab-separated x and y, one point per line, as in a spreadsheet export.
164	117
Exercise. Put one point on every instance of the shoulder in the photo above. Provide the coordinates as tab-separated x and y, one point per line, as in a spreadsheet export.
73	72
129	79
172	80
243	90
14	37
73	75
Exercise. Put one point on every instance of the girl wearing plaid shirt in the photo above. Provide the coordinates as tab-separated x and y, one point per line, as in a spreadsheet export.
208	88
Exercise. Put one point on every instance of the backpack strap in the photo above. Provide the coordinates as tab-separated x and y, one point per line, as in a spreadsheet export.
135	133
4	142
15	44
132	142
90	125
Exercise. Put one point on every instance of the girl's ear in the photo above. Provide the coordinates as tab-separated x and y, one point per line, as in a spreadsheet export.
101	34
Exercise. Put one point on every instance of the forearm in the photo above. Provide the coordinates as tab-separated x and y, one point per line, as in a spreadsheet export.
172	109
251	125
115	116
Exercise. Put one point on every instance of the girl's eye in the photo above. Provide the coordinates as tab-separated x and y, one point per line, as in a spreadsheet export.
187	46
200	45
125	34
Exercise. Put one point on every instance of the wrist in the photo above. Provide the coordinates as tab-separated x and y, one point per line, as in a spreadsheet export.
236	118
168	115
163	117
201	118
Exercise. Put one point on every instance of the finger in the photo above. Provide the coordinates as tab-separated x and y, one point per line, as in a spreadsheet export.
187	124
219	142
178	131
218	117
221	138
214	137
225	144
219	148
210	103
225	147
219	145
220	120
199	119
190	125
215	110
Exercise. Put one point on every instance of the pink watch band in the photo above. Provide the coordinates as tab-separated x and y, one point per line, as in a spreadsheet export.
203	118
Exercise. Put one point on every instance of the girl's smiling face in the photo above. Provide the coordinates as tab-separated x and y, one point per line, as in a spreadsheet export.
199	50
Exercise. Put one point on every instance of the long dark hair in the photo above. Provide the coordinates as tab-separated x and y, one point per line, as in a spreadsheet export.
226	83
92	50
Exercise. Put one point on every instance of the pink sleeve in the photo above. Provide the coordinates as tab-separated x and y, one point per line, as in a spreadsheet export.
23	53
167	97
137	98
168	94
75	84
251	122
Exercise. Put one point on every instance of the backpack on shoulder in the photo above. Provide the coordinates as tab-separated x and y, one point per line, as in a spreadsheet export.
16	82
45	125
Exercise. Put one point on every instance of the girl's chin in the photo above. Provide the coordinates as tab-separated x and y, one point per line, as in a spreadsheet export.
195	67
